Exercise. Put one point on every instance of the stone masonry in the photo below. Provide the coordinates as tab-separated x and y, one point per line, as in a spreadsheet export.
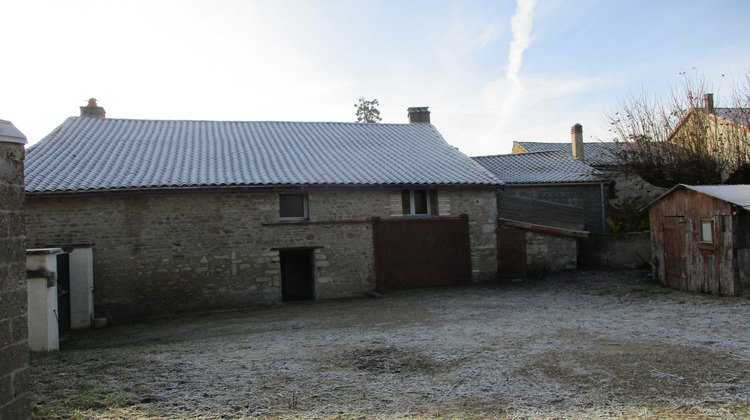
14	359
162	253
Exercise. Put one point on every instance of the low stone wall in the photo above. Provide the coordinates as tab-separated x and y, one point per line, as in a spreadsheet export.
547	254
616	251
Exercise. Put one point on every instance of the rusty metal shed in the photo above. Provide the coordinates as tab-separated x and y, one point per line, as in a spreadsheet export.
700	237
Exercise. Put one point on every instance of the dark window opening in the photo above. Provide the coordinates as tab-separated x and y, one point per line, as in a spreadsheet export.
293	206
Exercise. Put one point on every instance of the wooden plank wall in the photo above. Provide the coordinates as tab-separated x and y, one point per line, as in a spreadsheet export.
540	212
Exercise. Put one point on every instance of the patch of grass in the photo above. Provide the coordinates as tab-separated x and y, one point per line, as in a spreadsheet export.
83	396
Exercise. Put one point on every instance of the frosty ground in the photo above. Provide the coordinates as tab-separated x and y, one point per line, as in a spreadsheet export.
592	344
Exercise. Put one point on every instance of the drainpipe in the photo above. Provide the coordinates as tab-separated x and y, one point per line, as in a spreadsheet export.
604	216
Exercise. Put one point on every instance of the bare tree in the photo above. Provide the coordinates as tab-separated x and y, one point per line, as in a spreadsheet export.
683	138
366	111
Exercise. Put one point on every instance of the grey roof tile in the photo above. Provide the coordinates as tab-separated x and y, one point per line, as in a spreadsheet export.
90	153
594	153
548	167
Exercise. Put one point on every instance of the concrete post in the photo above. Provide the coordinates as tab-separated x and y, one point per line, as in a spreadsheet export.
41	277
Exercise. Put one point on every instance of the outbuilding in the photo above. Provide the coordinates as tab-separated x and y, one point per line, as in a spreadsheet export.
700	238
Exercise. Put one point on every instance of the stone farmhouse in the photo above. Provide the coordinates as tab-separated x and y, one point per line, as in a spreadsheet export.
214	215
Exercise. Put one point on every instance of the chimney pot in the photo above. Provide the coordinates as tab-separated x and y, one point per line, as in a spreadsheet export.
419	114
576	137
709	102
92	110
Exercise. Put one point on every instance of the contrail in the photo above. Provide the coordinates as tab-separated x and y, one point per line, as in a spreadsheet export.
520	26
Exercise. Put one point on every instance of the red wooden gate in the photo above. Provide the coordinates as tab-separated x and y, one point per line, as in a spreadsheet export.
511	253
422	252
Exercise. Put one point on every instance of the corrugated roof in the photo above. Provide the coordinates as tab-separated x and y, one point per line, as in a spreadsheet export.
539	168
595	154
738	195
90	153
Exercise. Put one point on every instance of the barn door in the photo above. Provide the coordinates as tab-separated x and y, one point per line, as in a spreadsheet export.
422	252
675	244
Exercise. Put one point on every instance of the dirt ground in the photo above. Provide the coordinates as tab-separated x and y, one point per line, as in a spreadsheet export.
583	345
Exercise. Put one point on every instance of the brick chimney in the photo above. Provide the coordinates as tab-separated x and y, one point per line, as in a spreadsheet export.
709	102
419	114
576	139
92	110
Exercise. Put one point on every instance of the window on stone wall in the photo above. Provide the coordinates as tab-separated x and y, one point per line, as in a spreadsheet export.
293	206
419	202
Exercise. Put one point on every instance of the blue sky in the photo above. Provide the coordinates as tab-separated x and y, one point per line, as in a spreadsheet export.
491	71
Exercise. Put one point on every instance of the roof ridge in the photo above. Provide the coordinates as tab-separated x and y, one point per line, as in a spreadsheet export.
249	121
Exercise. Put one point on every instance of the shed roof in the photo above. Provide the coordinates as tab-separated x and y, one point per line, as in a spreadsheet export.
92	153
738	195
548	167
595	153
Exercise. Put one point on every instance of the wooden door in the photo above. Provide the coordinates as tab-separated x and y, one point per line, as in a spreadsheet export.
675	257
422	252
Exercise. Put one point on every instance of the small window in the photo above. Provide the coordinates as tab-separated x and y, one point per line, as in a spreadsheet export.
707	231
419	202
293	206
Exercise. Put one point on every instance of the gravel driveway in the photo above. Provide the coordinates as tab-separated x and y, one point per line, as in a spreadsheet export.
592	344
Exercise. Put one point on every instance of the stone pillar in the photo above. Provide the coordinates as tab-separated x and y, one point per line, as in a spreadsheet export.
14	339
41	273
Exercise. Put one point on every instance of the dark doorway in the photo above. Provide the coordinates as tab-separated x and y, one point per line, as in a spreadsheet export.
63	293
297	275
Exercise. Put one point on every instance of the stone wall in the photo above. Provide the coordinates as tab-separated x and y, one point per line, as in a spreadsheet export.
14	360
547	253
616	251
172	253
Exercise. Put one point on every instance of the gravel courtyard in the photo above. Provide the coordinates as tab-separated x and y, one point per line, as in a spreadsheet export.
591	345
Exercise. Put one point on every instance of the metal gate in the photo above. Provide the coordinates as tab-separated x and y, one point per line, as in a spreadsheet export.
422	252
63	293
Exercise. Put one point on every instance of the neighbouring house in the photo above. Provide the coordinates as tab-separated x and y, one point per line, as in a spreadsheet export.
720	132
549	202
14	337
210	215
701	238
626	187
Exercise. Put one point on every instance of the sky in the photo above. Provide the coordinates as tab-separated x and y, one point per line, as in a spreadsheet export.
491	72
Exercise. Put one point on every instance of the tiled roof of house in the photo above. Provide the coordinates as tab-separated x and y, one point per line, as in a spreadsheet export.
539	168
594	154
91	153
738	195
739	116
